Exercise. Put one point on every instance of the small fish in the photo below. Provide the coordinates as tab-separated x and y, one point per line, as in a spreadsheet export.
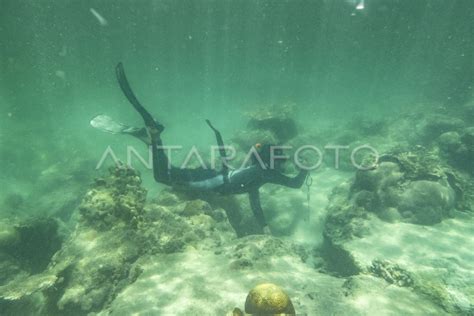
99	17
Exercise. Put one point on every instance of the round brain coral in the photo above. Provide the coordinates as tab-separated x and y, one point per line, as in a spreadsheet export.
268	299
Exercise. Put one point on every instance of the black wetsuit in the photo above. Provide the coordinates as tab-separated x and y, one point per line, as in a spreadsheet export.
244	180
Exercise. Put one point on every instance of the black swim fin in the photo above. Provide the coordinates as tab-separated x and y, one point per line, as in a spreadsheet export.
150	122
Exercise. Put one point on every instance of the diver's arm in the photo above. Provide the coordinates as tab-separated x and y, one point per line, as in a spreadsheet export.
219	140
222	152
254	197
295	182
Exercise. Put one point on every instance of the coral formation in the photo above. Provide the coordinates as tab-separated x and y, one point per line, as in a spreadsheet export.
268	299
120	254
458	148
118	197
413	183
391	273
426	202
276	119
436	124
115	223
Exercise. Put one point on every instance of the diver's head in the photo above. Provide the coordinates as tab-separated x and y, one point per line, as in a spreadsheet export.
266	153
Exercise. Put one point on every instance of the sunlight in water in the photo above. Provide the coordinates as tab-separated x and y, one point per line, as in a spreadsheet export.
170	157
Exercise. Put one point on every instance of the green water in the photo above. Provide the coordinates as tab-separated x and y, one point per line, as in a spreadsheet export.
192	60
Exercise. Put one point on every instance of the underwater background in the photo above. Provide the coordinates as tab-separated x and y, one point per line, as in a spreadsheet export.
394	74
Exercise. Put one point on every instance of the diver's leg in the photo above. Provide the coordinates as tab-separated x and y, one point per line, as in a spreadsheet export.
161	166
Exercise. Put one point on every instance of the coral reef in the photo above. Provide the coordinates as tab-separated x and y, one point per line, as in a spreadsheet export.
386	246
413	184
436	124
369	227
237	208
118	197
266	125
426	202
458	148
276	119
115	223
391	273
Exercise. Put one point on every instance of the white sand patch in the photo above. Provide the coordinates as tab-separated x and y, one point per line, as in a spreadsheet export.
441	255
324	181
206	283
193	283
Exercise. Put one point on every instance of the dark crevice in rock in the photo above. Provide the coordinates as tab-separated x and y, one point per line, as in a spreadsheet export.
38	241
339	261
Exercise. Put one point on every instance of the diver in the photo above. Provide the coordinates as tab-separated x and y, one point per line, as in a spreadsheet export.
226	181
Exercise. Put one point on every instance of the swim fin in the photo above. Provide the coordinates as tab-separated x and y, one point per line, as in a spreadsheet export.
107	124
150	122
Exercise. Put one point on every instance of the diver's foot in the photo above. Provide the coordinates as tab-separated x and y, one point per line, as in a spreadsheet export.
155	129
136	132
140	133
146	134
